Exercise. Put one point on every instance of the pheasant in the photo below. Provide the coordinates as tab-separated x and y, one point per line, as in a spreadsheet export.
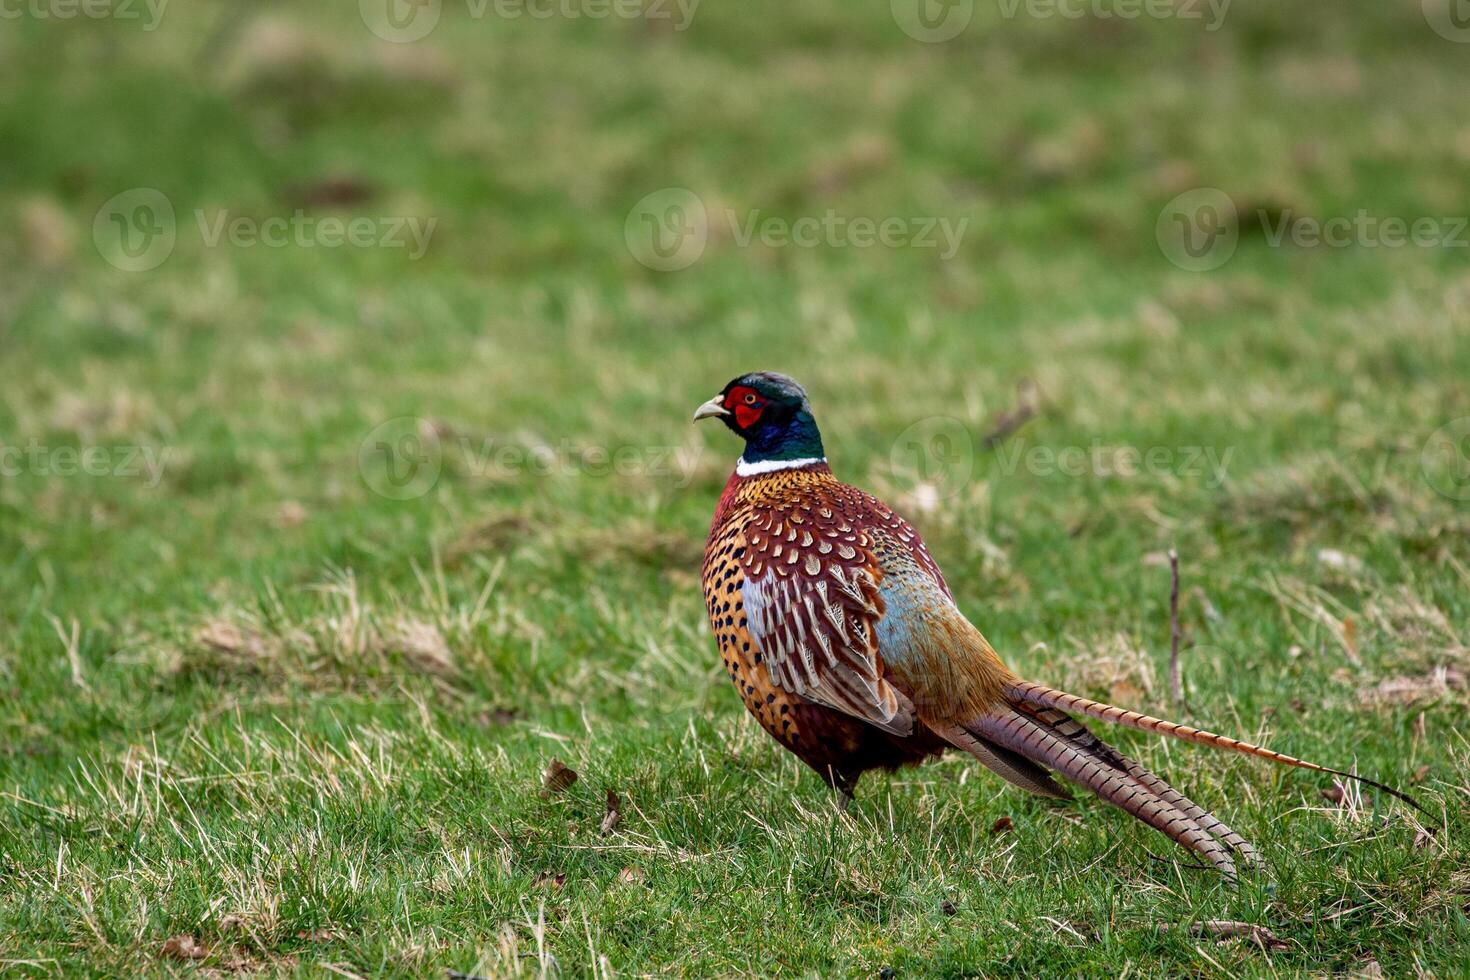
845	643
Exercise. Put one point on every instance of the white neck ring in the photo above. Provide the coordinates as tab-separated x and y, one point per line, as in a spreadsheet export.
743	468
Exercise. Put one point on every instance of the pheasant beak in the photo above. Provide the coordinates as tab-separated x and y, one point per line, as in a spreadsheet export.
714	408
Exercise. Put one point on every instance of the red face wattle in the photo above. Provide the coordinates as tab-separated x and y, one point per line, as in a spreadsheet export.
746	404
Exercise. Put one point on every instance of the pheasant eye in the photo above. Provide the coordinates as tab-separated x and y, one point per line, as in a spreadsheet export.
747	406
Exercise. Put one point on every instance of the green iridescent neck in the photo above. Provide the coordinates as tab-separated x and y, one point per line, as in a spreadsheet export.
796	438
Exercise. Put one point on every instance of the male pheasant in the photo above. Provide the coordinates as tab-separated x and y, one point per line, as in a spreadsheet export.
843	640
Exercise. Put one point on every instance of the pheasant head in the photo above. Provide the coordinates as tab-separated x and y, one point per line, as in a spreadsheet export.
771	413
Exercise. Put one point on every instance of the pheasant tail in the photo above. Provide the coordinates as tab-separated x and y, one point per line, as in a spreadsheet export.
1045	737
1030	730
1028	693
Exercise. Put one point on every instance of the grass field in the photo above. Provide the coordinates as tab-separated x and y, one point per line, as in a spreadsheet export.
313	557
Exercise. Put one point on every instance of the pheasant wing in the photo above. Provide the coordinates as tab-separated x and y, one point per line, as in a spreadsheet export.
812	602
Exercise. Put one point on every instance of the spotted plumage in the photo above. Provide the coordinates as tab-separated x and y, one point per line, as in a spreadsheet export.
811	678
843	640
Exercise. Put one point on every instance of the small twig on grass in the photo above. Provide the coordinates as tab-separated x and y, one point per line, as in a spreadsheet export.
1228	929
1028	395
71	642
1062	926
341	971
1176	684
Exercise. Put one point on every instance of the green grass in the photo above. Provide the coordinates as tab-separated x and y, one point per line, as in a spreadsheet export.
262	706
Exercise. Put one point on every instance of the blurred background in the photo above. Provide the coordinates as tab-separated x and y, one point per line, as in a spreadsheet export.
506	170
349	355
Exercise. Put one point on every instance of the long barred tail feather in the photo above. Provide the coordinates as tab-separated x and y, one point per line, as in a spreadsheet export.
1045	697
1013	767
1043	743
1079	735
